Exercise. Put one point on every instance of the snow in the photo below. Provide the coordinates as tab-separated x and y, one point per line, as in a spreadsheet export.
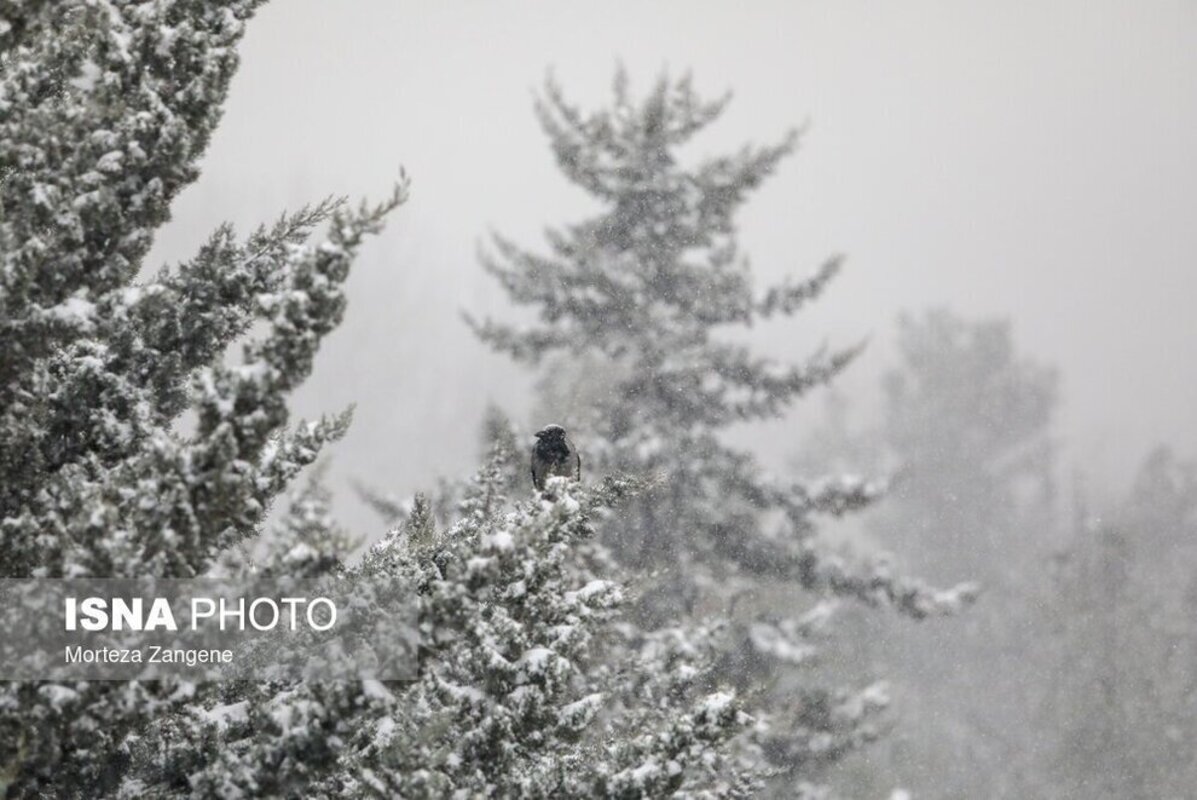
536	659
501	540
58	695
300	553
470	694
111	162
582	710
75	310
376	690
768	640
717	703
224	715
593	589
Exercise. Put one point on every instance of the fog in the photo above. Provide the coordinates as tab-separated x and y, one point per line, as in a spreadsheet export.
1027	160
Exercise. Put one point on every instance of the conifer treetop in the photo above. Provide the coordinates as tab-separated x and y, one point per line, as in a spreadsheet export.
653	276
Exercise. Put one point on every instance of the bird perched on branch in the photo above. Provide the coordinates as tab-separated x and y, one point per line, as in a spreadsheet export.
554	455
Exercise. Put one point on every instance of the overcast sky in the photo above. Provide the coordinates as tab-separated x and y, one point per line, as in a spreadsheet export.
1036	160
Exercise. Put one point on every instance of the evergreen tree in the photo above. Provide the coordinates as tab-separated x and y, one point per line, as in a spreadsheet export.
527	687
970	420
106	110
631	304
966	423
1121	699
517	693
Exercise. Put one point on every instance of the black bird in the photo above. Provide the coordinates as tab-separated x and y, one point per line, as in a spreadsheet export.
554	455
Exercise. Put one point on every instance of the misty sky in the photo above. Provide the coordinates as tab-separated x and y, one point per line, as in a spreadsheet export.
1030	159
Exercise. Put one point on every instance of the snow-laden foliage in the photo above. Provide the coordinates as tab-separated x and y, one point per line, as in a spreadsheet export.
631	308
516	694
106	113
105	110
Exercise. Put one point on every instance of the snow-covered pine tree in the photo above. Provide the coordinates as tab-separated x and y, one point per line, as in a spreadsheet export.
105	111
630	304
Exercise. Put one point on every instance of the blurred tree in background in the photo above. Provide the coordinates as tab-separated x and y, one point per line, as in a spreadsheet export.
969	420
1073	677
966	426
1122	697
632	306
